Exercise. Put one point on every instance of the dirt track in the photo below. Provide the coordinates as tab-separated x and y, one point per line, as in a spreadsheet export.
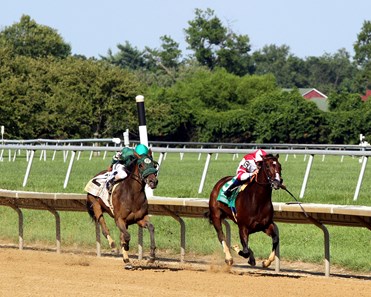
43	273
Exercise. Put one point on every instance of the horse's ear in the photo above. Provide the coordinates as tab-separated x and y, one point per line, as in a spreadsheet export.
277	156
150	152
136	155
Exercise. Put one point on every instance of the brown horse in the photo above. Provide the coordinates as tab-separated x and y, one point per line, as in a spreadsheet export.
254	210
129	203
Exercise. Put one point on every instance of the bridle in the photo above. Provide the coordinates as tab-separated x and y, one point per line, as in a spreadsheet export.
146	167
273	180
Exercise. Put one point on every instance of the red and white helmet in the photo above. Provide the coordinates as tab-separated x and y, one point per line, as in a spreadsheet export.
259	154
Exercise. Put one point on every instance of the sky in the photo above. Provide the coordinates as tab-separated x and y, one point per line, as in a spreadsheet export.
92	27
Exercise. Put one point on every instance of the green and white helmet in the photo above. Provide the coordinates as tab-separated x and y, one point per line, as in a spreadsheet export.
141	149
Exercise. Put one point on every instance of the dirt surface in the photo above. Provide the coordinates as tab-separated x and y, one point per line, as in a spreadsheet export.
46	273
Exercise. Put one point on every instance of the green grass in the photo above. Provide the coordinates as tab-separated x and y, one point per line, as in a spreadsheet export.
332	181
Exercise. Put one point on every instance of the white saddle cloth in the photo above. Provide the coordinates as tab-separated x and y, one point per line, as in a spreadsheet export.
97	187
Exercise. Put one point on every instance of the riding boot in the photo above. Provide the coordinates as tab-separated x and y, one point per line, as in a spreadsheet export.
109	184
229	191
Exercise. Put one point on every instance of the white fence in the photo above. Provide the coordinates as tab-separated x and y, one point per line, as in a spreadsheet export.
361	152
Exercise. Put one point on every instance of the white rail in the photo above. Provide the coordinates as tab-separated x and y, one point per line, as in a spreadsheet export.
164	150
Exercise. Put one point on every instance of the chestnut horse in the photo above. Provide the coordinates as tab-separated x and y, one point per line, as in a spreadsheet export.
254	210
129	203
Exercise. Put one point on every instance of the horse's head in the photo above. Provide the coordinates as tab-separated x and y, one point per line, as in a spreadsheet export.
147	169
272	169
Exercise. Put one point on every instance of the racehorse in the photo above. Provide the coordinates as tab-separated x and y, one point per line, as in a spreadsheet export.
129	204
254	210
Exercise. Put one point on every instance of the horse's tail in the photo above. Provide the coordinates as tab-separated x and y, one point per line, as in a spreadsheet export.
207	215
89	207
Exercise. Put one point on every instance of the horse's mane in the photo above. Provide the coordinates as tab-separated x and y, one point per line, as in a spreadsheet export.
130	167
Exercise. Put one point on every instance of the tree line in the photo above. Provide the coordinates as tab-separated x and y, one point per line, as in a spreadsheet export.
220	93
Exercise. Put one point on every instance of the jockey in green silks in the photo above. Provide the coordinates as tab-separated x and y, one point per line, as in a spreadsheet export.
120	161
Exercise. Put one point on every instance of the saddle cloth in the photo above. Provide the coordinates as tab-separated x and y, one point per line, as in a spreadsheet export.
97	187
230	201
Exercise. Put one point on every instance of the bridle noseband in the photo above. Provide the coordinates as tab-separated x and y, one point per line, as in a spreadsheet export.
150	167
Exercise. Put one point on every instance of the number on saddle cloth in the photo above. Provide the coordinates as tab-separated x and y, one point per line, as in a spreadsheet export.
231	201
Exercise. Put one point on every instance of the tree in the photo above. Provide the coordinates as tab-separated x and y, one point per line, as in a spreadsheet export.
27	38
253	86
288	70
283	117
362	46
91	97
164	61
344	101
362	49
65	98
168	56
216	46
331	72
128	57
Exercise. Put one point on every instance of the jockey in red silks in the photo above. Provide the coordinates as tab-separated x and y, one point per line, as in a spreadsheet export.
246	170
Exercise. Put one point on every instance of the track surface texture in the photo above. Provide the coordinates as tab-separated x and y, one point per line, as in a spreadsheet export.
33	272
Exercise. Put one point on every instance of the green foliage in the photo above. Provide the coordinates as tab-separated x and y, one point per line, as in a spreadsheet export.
231	126
362	49
348	118
345	127
344	102
27	38
362	46
215	45
169	117
287	118
251	87
169	54
128	57
331	72
54	98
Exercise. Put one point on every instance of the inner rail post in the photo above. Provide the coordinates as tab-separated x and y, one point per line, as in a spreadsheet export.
182	231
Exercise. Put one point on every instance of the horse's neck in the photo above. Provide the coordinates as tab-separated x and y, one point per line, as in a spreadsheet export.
262	177
135	180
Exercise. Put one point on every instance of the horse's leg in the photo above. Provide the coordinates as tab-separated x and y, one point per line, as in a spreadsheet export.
217	223
246	251
145	223
106	232
125	239
271	231
98	214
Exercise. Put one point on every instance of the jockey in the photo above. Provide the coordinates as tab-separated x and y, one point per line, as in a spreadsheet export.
120	161
246	170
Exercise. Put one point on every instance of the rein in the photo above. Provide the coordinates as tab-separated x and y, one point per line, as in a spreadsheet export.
283	187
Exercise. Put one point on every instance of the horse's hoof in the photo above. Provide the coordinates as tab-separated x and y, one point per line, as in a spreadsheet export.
128	266
252	262
229	262
113	245
266	264
151	260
